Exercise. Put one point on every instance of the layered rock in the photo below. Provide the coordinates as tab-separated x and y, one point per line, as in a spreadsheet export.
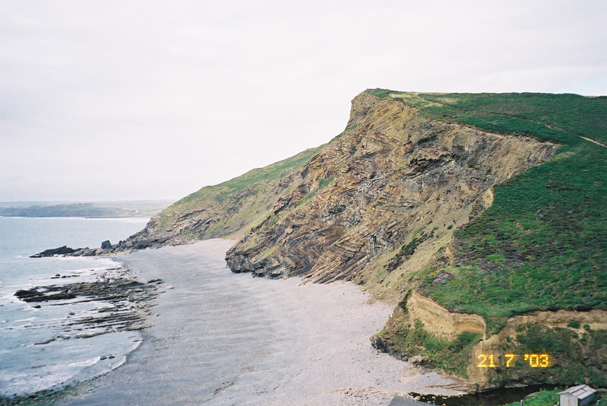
127	304
388	184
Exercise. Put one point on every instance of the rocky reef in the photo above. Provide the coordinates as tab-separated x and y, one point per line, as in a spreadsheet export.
126	303
106	248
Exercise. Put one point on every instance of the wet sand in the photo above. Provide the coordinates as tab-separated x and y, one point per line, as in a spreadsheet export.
229	339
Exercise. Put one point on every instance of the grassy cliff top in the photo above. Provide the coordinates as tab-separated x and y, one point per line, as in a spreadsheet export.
542	245
562	118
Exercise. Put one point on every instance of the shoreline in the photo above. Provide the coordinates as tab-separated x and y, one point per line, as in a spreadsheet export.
70	327
221	338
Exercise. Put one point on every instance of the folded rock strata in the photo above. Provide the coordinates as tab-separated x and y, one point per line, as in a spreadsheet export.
391	181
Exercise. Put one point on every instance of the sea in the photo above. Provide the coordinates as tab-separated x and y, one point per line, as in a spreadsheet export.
41	344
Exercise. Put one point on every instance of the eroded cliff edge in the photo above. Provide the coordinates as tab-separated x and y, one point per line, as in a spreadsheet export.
392	185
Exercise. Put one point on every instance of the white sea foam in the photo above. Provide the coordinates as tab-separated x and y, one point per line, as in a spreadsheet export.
42	377
35	352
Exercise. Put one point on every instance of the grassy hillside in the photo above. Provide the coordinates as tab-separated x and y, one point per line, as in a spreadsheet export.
258	176
543	242
231	206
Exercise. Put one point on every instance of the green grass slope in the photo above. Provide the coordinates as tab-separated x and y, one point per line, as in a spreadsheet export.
542	245
234	205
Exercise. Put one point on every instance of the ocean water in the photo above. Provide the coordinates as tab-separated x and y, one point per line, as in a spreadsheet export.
43	345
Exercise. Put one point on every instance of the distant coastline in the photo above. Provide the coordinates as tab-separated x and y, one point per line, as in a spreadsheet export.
86	210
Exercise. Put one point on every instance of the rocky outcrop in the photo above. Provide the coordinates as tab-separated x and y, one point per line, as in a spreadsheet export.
441	322
75	252
65	250
126	304
114	290
390	183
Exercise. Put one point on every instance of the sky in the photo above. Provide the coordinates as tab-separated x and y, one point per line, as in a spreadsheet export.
136	100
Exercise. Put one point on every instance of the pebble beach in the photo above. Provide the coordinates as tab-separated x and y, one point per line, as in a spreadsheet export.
219	338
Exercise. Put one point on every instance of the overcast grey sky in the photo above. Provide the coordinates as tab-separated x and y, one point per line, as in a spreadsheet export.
108	100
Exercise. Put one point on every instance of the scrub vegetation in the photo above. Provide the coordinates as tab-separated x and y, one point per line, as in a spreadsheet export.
449	355
551	398
542	245
263	175
542	398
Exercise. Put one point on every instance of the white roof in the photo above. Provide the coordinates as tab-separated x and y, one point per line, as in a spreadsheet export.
580	391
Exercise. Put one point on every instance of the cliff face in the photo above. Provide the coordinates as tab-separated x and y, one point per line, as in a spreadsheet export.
379	204
390	185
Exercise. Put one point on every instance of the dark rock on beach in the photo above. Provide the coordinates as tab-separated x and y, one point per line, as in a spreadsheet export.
128	304
106	248
114	290
55	251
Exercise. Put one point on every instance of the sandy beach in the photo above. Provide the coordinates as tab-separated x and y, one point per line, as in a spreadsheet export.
220	338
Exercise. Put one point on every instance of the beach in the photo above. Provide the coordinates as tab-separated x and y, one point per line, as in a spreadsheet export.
219	338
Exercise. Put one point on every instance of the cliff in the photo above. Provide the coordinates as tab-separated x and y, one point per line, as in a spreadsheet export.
518	295
485	212
483	215
393	183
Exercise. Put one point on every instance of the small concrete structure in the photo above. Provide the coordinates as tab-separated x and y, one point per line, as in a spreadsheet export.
576	396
